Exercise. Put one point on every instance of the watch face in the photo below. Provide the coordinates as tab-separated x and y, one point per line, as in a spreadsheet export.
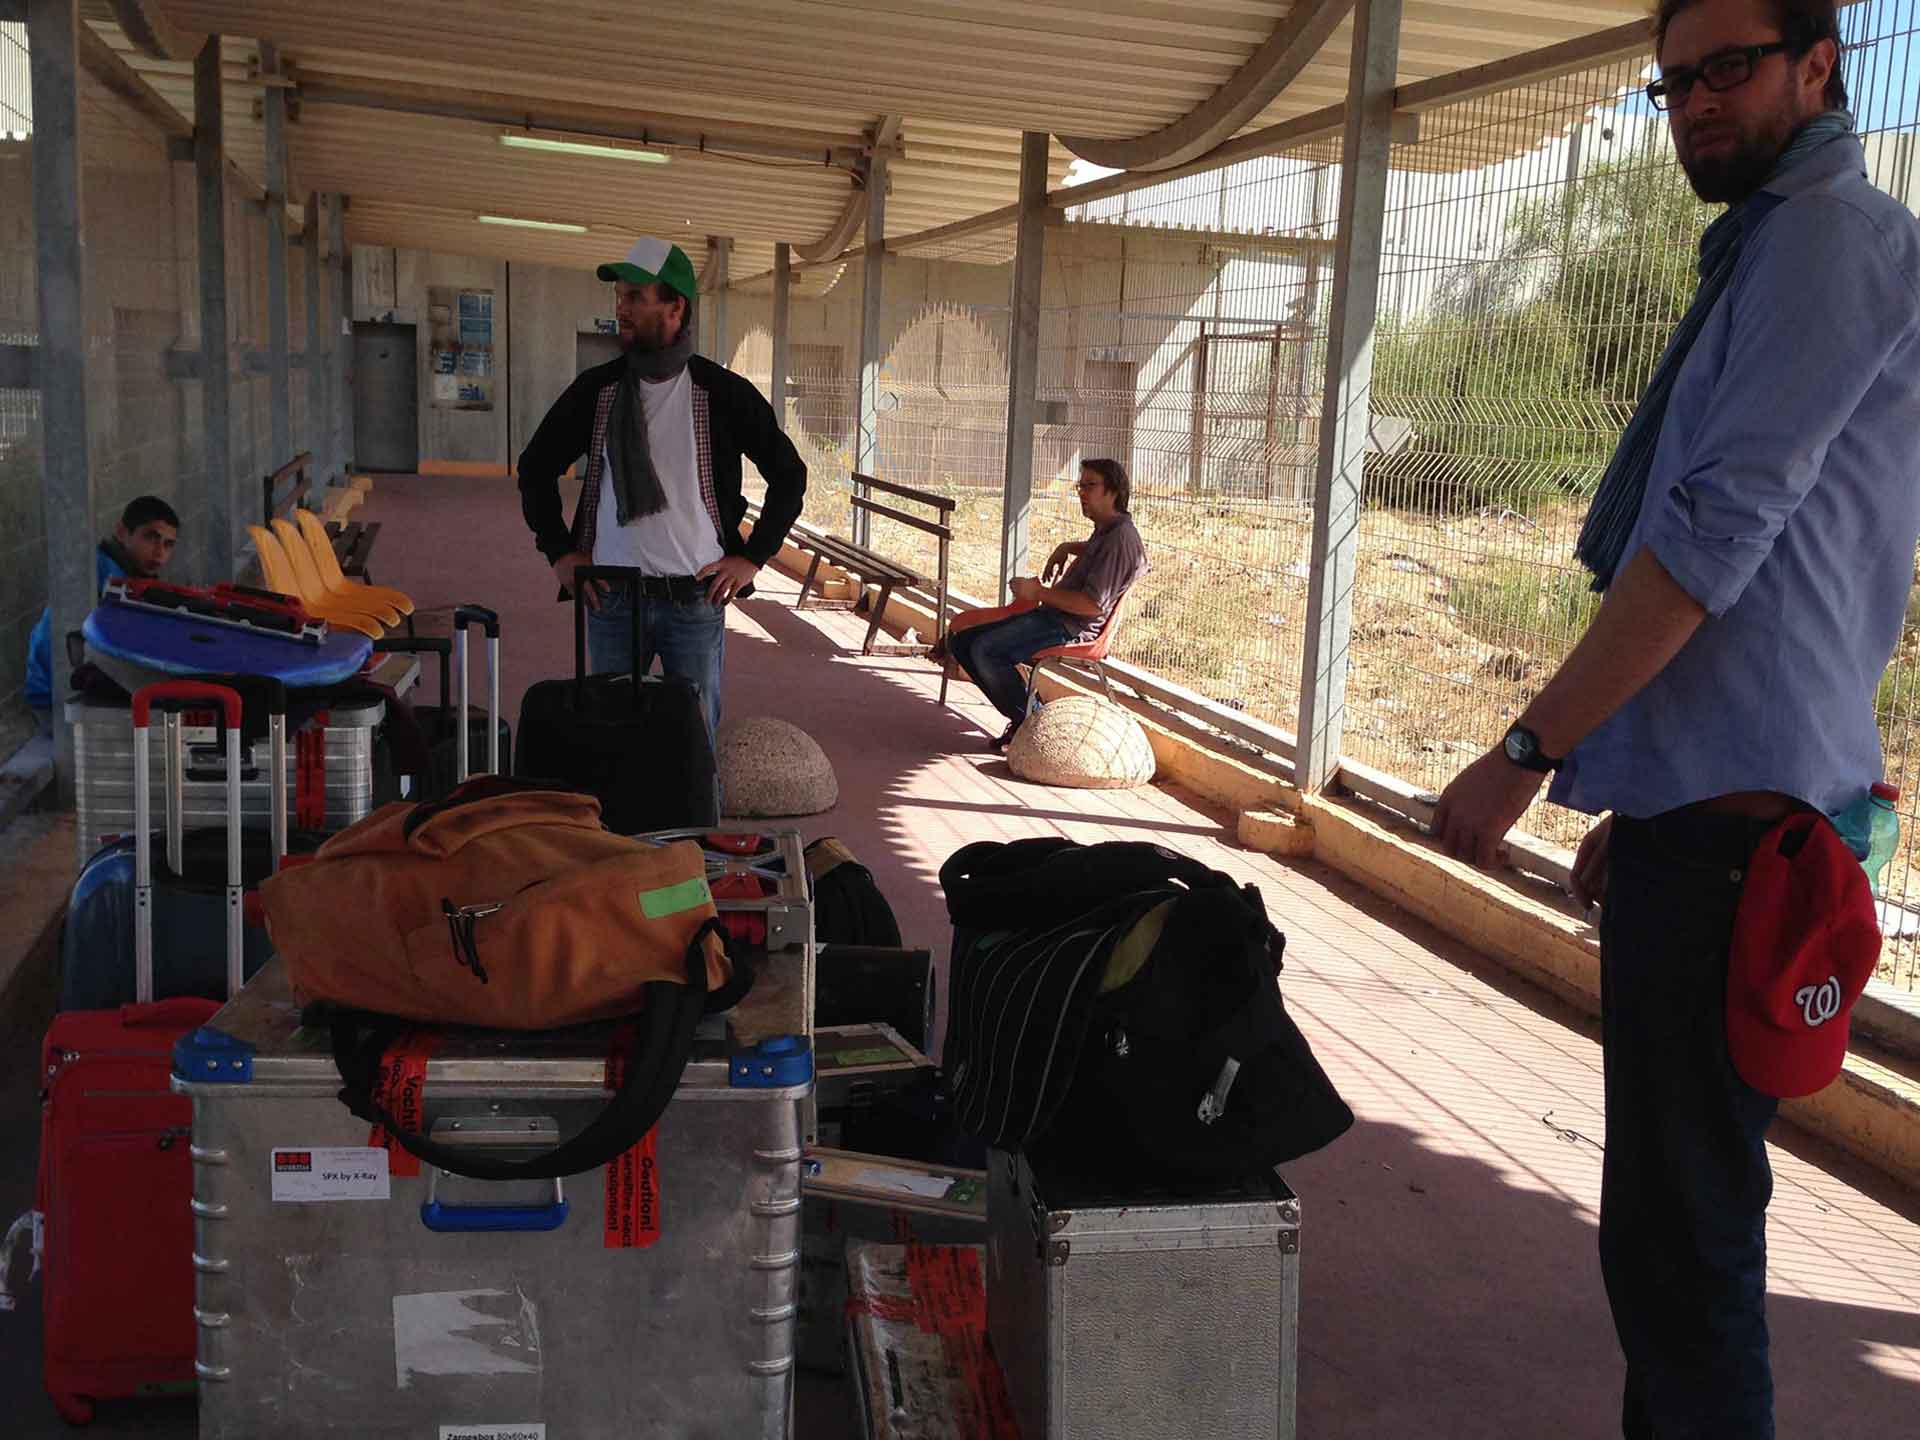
1521	746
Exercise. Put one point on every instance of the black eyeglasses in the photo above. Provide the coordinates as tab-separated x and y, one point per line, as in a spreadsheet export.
1722	70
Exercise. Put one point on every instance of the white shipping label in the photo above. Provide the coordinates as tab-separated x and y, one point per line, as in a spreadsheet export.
493	1432
330	1172
931	1187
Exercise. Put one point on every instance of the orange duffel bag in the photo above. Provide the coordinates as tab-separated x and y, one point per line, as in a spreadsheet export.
507	907
500	906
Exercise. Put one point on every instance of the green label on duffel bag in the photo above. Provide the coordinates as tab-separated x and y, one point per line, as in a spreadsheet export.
672	899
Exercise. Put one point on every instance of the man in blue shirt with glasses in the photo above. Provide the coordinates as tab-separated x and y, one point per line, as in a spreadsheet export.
1754	536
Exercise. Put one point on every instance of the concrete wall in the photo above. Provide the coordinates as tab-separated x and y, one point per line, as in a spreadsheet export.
550	308
23	554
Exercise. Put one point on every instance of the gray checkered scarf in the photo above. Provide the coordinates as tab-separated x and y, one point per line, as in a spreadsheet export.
636	484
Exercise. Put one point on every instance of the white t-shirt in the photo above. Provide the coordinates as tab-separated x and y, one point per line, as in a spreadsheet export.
680	539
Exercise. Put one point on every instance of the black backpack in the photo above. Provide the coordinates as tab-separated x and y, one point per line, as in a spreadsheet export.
848	908
1188	1066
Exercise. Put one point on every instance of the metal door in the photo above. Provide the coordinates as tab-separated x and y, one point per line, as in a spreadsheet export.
594	347
386	398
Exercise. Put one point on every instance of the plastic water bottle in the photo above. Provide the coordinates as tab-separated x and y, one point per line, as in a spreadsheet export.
1883	834
1871	828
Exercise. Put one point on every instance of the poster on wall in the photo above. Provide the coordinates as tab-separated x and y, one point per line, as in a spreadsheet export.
460	347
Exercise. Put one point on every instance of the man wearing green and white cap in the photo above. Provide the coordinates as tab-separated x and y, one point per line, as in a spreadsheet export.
664	432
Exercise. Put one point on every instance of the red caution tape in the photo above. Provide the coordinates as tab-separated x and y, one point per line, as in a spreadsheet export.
310	774
401	1090
949	1299
631	1209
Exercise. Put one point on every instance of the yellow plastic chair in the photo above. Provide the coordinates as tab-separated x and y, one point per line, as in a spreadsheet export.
301	556
280	575
320	545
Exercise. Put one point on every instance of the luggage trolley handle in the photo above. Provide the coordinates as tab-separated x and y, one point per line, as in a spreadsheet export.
423	645
170	697
489	620
582	577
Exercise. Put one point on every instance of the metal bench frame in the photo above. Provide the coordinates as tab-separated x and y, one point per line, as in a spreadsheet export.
874	569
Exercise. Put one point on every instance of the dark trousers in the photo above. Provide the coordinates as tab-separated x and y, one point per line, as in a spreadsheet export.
989	654
1685	1186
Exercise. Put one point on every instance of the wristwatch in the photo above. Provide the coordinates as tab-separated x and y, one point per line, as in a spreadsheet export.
1522	747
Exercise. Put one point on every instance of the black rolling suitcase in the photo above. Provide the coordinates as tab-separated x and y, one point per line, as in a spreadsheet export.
639	744
454	750
189	895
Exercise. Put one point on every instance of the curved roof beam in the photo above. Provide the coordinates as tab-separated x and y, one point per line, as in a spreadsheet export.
839	234
1294	42
884	136
152	33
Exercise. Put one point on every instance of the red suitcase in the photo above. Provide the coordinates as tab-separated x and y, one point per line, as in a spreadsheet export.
116	1172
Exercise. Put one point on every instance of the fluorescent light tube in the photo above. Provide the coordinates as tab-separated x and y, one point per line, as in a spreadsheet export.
608	150
562	227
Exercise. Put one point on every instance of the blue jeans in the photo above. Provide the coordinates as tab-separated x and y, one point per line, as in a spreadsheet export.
1686	1181
690	639
989	653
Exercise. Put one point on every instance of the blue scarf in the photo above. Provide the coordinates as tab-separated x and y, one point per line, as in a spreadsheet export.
1616	502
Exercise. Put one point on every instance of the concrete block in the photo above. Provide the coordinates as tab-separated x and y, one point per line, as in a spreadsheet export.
1083	742
769	767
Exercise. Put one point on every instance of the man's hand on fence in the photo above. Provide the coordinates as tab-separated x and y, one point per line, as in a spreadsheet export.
563	569
729	575
1479	807
1590	865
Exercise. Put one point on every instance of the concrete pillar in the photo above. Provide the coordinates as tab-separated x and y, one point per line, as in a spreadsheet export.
866	445
340	353
220	547
1364	155
782	329
722	278
280	376
315	439
1023	357
53	45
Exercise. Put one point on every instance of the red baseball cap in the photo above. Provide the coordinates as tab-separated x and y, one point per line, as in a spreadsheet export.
1806	939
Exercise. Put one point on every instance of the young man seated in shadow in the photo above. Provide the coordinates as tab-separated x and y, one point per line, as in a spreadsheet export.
1070	604
140	547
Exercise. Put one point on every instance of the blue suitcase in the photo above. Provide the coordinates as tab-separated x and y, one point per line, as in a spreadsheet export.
189	899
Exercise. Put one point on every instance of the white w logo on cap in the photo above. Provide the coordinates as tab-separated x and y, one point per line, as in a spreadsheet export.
1819	1003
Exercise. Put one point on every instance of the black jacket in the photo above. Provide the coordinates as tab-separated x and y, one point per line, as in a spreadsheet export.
741	424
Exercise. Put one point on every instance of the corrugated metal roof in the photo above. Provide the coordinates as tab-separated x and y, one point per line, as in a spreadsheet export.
967	76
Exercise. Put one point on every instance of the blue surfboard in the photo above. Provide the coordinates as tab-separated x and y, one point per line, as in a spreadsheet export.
176	644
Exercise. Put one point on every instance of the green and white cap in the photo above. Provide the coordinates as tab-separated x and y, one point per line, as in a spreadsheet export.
653	259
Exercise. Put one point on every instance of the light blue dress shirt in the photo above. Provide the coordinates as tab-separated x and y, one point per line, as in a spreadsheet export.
1785	498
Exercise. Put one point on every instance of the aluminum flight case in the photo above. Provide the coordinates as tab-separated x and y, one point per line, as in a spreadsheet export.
339	755
337	1296
1144	1313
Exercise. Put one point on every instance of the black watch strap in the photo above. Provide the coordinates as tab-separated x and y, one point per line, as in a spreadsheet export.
1522	747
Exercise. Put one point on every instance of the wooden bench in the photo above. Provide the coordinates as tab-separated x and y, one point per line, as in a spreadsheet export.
289	487
353	543
874	569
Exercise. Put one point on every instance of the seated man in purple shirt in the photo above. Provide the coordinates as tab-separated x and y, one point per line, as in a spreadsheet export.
1072	610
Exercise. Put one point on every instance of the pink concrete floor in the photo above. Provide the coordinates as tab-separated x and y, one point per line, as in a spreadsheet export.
1450	1283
